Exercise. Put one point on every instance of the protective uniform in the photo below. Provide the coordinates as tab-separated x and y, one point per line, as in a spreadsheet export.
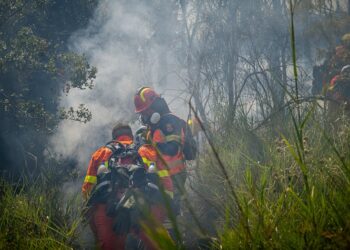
149	158
339	88
100	223
340	58
167	136
339	94
162	178
101	156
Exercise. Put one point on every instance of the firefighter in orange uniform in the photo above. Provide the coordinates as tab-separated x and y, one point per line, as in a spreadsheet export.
161	178
100	223
168	134
149	157
339	93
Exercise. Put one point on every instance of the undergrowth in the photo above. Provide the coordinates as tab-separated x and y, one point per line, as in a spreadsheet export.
295	196
33	216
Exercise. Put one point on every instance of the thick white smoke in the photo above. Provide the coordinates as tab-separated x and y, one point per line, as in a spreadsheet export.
123	43
129	43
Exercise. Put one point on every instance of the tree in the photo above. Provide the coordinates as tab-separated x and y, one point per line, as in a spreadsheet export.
35	67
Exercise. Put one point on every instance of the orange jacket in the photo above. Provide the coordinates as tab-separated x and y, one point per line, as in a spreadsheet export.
99	157
168	138
149	157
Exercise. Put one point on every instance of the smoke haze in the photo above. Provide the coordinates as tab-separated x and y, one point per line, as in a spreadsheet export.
128	53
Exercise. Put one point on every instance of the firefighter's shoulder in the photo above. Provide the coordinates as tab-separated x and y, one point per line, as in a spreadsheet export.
170	123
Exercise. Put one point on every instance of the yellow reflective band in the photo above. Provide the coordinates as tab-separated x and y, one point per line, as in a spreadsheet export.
171	194
106	164
163	173
176	138
142	94
147	162
90	179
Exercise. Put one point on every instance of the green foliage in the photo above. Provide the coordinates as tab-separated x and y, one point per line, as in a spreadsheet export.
30	55
82	114
159	236
80	72
36	68
297	197
285	185
33	218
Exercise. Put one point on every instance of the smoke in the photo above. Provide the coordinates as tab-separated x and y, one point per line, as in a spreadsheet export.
129	42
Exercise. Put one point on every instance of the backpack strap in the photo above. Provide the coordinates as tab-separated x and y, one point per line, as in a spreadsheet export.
117	149
112	146
121	151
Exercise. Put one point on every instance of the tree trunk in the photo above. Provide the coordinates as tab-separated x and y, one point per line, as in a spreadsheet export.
230	77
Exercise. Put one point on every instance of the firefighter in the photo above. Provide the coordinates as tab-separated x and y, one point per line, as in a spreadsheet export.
148	155
342	54
170	137
340	58
158	175
100	223
339	92
326	73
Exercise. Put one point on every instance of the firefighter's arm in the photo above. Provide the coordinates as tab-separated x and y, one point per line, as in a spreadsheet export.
168	147
148	155
90	180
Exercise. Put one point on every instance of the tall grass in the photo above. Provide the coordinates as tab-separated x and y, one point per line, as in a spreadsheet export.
297	195
256	190
34	217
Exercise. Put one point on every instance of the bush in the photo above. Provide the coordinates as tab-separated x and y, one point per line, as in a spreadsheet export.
32	217
296	196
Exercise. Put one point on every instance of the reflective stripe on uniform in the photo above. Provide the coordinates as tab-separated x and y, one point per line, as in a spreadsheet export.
106	164
90	179
174	166
147	162
159	137
170	138
171	194
163	173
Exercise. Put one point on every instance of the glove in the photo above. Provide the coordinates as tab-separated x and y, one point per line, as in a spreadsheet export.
122	221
